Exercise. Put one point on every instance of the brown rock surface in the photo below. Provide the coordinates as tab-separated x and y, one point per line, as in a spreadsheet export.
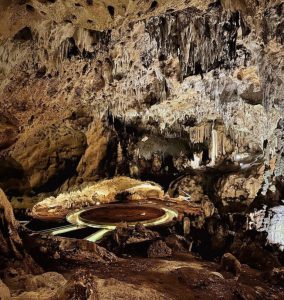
29	287
11	245
155	90
45	152
240	187
98	137
8	130
179	277
48	248
188	186
152	71
159	249
230	263
276	276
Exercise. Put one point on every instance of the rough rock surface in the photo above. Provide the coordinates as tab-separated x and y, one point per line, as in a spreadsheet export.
240	187
230	263
188	92
125	239
42	286
87	286
188	186
178	85
105	191
58	249
277	276
159	249
183	277
49	152
12	249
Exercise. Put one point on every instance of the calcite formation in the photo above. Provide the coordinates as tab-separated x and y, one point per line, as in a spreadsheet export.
203	61
99	99
105	191
191	70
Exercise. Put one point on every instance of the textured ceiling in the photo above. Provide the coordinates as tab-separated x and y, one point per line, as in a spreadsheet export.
90	14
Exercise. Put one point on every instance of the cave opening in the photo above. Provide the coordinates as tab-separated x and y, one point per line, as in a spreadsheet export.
30	8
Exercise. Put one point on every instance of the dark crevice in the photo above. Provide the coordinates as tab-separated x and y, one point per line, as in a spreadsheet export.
73	50
215	4
111	10
68	171
24	34
47	1
30	8
153	6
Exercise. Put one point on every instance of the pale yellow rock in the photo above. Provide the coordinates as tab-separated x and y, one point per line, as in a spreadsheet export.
240	188
43	151
97	141
4	291
249	74
104	191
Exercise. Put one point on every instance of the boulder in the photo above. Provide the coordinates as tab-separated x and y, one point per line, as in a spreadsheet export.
159	249
230	263
240	187
54	248
276	276
82	285
188	186
125	238
177	243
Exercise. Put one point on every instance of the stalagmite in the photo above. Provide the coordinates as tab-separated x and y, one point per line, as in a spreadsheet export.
214	146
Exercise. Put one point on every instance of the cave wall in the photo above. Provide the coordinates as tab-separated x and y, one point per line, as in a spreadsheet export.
92	89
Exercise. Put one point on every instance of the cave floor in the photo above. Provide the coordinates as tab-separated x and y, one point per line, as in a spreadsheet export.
183	276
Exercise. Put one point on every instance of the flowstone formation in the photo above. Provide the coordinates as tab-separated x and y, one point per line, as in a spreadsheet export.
175	102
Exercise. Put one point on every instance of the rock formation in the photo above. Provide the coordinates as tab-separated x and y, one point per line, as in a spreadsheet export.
178	101
11	247
105	191
205	62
